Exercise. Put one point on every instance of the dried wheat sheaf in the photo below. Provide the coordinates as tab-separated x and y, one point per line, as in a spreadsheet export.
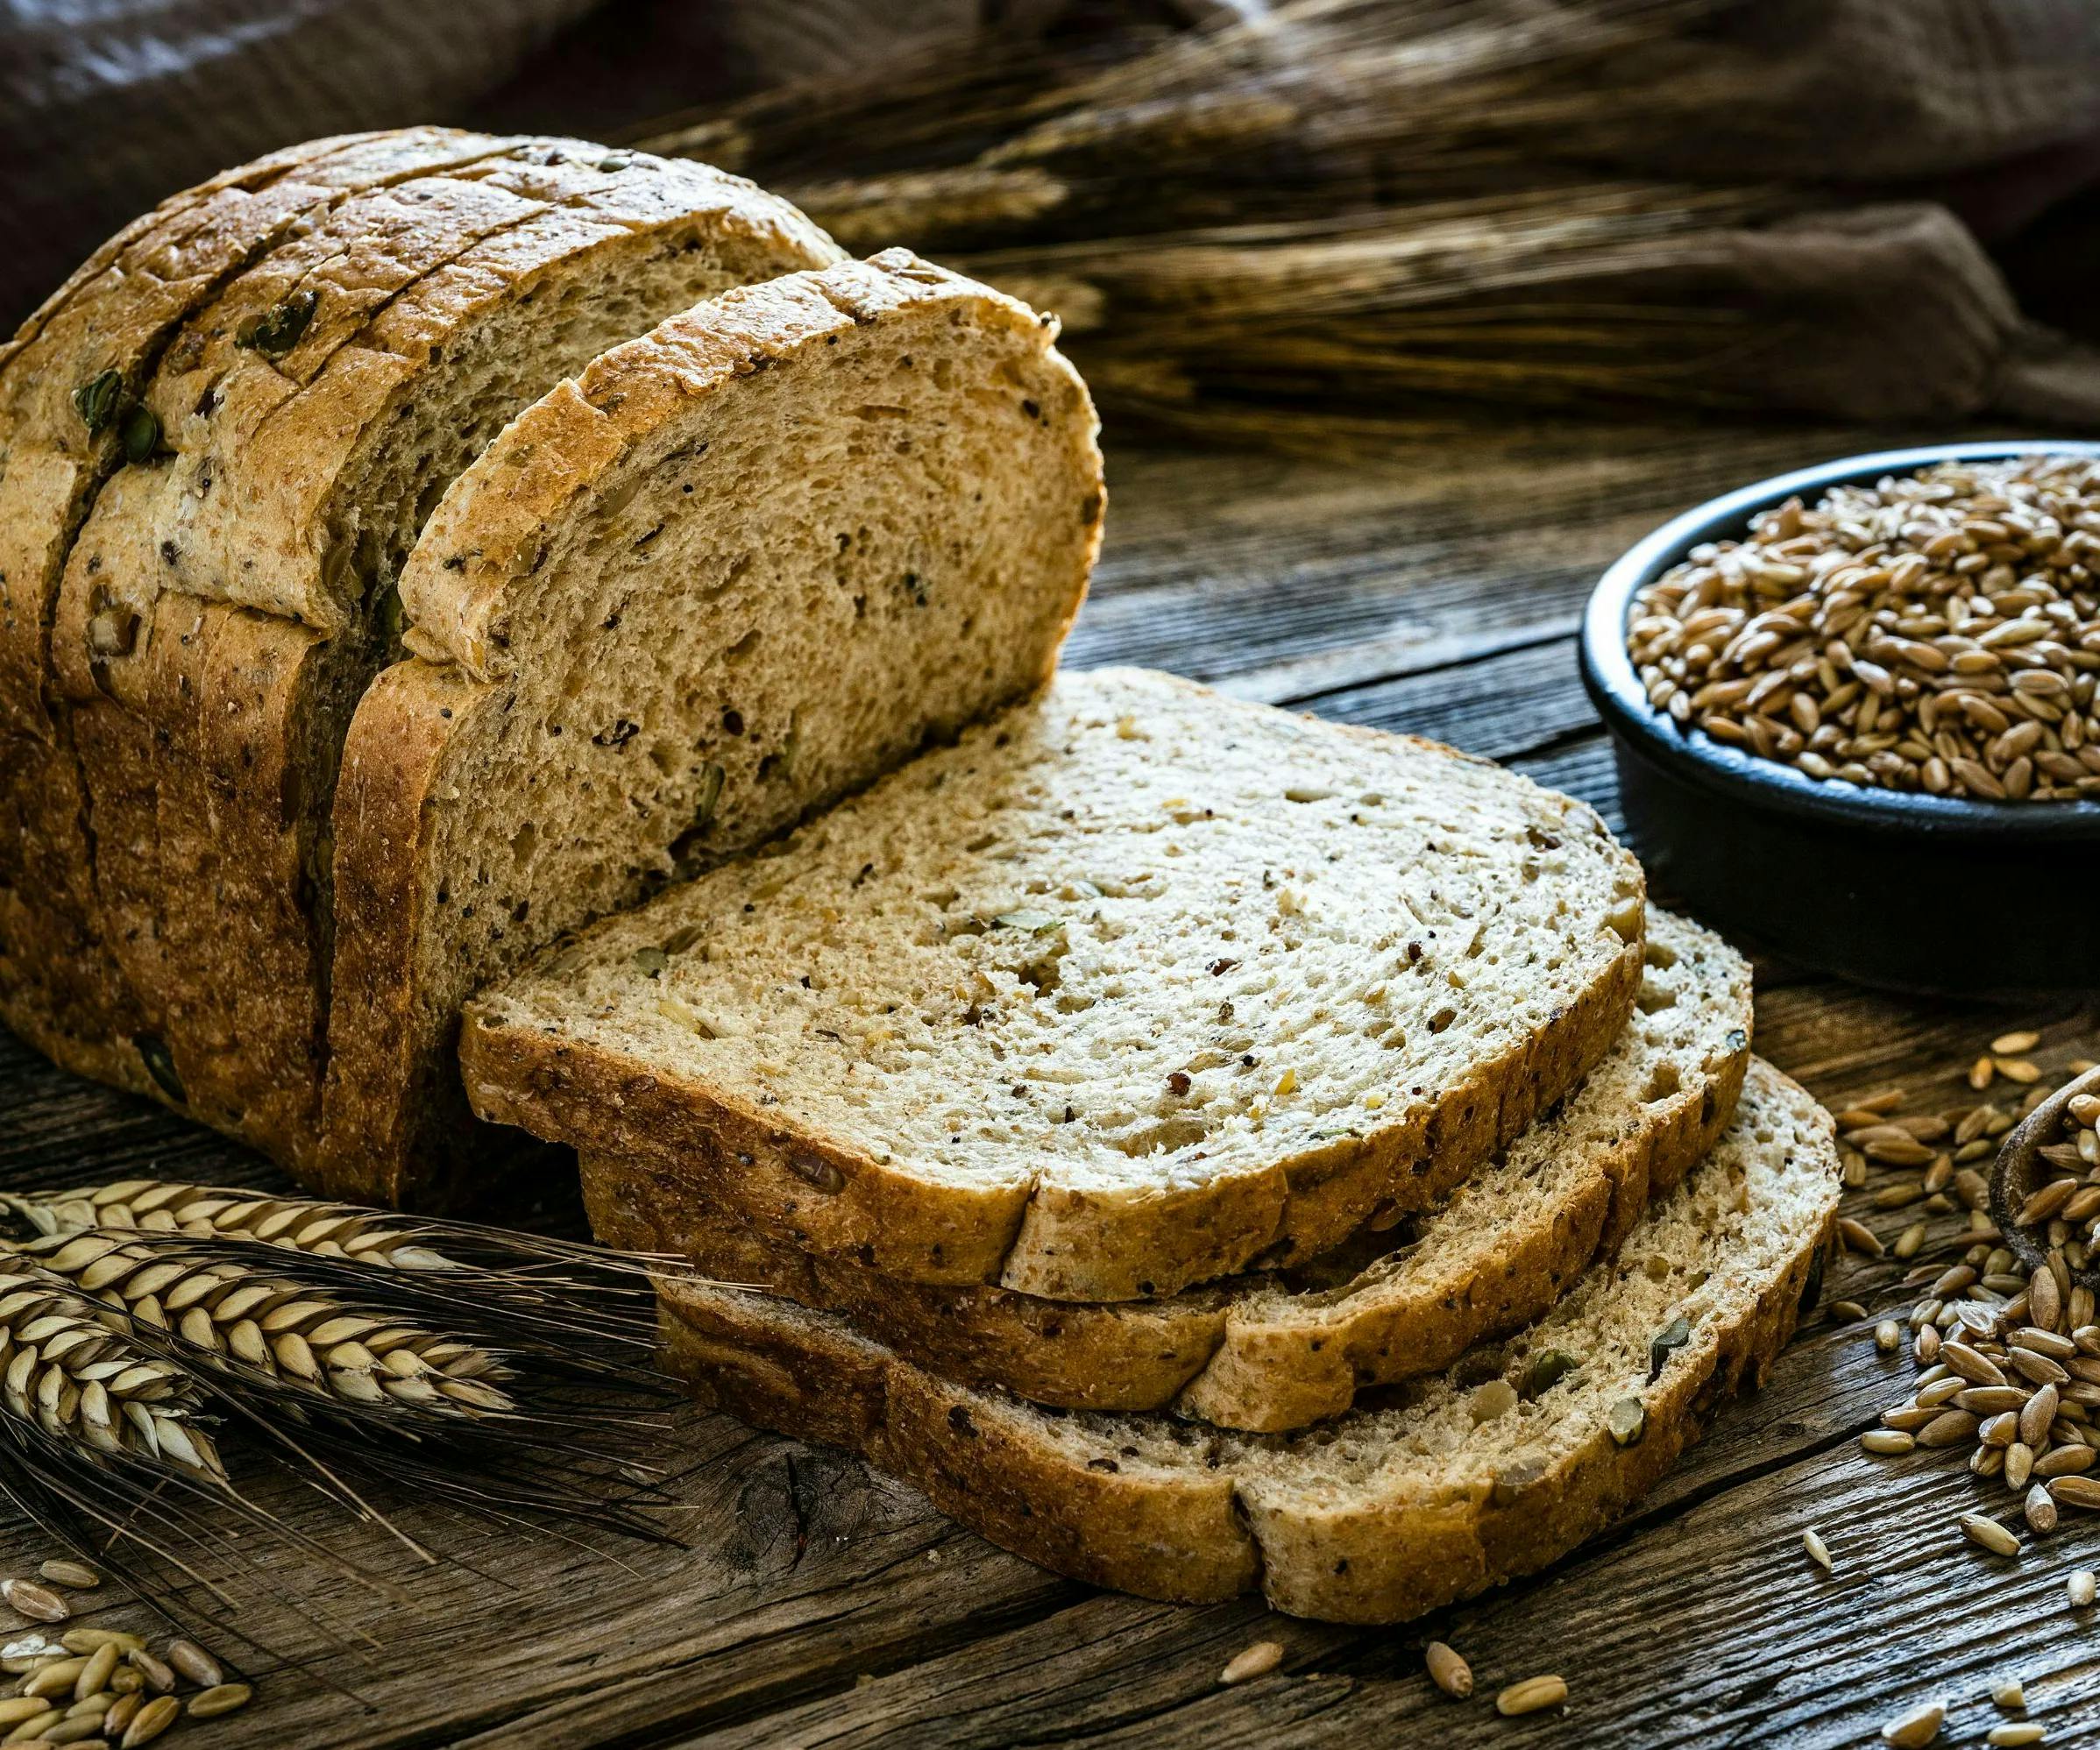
1335	218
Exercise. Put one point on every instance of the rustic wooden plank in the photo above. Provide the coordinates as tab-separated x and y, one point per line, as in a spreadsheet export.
1434	594
1517	703
1278	577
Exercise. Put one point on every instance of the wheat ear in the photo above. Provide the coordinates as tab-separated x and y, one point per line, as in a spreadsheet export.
66	1370
245	1318
210	1212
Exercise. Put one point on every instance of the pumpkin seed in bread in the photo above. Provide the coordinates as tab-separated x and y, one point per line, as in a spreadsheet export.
741	565
1472	1478
1134	987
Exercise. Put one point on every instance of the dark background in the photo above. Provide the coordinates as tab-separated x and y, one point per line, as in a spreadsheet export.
1990	108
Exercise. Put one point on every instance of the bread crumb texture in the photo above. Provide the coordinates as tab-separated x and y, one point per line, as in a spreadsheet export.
1130	942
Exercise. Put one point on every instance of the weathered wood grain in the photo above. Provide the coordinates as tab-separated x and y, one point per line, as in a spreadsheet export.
818	1605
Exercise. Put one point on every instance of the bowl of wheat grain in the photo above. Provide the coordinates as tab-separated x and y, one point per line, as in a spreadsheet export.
1852	711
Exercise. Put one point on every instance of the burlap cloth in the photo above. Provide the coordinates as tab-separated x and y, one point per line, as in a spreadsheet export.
1963	137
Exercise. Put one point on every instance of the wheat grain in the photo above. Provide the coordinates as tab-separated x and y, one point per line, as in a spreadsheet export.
1986	1532
96	1674
193	1662
1448	1670
1532	1695
220	1699
122	1711
1250	1662
150	1721
1917	1728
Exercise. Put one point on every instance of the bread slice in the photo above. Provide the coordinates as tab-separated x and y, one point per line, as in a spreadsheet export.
1134	985
740	566
225	608
69	385
1282	1350
1458	1483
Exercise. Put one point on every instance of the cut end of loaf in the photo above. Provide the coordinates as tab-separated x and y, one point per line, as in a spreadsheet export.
736	567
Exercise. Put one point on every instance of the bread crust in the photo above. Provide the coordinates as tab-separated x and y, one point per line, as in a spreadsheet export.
1247	1353
828	1195
1208	1528
473	575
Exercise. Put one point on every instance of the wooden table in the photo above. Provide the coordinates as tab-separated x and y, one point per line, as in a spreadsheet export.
819	1605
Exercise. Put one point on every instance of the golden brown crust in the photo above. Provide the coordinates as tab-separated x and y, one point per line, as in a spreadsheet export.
58	982
1181	1535
1208	1528
1276	1373
382	831
843	1203
1211	1352
1118	1355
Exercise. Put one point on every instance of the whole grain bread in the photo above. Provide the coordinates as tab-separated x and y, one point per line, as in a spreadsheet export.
1281	1350
223	608
1463	1481
69	383
1134	986
740	566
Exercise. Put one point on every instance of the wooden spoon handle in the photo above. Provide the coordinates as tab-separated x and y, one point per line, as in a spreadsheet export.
2017	1176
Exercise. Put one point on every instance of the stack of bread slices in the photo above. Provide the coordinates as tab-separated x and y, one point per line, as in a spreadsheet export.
1206	1149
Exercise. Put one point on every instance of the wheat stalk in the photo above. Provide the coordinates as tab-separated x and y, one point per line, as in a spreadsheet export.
65	1370
209	1212
1248	222
225	1314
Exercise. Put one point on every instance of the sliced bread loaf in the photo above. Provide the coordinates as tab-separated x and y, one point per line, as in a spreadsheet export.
1134	985
1281	1350
226	605
69	418
1463	1481
738	567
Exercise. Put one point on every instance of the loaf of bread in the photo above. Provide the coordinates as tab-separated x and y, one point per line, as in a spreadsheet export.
1133	986
740	566
70	419
228	598
445	575
1277	1351
1487	1471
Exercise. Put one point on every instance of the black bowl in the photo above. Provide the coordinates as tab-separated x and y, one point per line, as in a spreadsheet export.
1929	894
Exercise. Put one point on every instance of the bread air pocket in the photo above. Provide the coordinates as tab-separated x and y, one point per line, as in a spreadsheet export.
738	568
